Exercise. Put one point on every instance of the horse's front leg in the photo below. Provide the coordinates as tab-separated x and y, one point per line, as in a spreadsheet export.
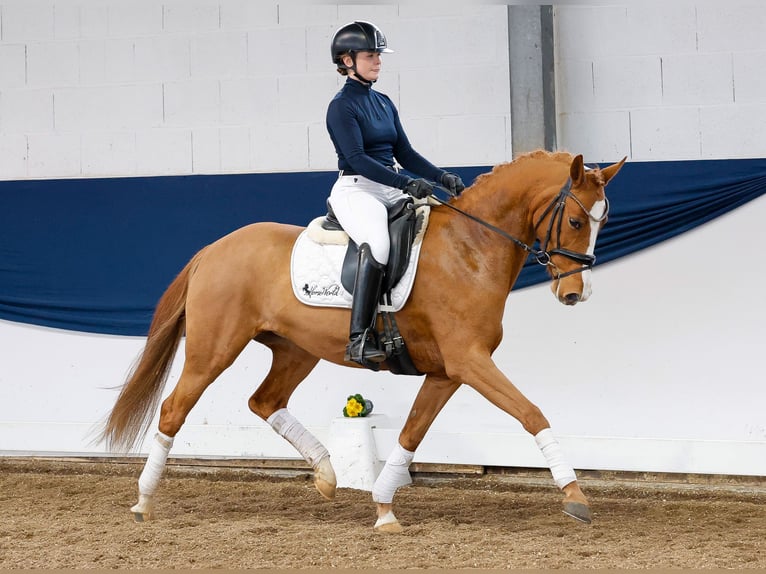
477	370
432	396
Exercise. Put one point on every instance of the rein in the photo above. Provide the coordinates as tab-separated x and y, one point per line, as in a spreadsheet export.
543	255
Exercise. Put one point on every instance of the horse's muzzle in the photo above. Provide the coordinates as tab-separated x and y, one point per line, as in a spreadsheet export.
570	299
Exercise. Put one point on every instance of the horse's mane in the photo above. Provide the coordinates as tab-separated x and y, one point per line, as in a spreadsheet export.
537	155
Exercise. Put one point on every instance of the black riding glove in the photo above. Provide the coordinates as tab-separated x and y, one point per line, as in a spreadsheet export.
419	188
453	183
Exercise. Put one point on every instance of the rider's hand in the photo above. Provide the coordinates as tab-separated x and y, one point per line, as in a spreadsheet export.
419	188
453	183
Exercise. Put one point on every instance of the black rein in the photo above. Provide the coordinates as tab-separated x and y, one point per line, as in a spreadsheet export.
543	255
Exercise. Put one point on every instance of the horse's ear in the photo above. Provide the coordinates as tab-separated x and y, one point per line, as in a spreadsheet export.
577	171
610	171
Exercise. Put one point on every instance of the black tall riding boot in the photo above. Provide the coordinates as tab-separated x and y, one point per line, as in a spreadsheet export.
362	347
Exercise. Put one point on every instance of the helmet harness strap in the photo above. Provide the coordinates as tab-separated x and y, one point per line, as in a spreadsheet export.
352	67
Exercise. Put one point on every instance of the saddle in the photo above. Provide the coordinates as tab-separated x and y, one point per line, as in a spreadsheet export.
405	221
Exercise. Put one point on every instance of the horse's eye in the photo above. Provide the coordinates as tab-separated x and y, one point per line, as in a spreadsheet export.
575	223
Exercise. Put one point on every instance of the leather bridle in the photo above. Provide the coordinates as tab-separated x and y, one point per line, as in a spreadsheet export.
544	254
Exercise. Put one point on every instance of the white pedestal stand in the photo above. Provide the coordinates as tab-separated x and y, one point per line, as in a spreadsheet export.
352	452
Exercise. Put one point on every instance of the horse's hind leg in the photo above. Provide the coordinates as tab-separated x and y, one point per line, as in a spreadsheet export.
290	365
206	359
432	396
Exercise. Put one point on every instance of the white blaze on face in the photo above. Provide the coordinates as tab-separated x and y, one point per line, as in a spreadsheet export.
596	213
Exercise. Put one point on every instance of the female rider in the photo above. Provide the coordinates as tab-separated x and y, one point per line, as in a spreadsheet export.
368	137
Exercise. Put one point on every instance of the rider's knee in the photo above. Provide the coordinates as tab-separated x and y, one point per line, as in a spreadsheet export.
380	247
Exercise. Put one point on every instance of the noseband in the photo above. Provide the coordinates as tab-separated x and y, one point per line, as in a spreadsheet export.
544	254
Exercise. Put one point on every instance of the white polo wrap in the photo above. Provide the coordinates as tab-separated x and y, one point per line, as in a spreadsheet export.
394	474
155	464
288	427
562	473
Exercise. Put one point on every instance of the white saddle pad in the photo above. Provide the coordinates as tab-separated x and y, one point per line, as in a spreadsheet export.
316	263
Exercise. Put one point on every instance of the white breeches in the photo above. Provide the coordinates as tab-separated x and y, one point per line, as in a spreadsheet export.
361	207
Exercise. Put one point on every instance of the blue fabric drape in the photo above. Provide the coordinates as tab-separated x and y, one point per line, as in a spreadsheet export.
95	255
654	201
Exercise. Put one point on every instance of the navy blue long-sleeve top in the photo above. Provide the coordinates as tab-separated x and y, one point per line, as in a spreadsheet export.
364	126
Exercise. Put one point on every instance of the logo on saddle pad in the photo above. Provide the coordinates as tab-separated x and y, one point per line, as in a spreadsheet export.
315	290
317	263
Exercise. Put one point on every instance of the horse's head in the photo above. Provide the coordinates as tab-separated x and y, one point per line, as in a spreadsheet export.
568	226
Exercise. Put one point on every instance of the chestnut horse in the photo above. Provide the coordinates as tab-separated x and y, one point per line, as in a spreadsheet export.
238	289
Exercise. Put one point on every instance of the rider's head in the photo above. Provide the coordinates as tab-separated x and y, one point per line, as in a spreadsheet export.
351	40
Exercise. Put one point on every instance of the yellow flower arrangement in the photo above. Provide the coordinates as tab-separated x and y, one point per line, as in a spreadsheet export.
353	408
357	406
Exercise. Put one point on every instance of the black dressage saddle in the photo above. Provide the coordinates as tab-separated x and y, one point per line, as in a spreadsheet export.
404	224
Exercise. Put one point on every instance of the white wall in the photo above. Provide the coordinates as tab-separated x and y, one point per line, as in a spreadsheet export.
659	371
149	87
662	81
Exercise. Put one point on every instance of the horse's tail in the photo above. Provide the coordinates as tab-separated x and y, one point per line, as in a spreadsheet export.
135	407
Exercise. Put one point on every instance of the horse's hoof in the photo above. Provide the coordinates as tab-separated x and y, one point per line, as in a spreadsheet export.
143	511
324	479
578	511
389	528
141	514
326	489
388	524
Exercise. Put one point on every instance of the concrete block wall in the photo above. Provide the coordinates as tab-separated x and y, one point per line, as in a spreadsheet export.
662	81
107	88
153	87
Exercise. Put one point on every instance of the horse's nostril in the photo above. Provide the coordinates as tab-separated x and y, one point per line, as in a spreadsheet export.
571	298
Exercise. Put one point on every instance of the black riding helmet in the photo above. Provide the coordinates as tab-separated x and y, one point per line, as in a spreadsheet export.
356	37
